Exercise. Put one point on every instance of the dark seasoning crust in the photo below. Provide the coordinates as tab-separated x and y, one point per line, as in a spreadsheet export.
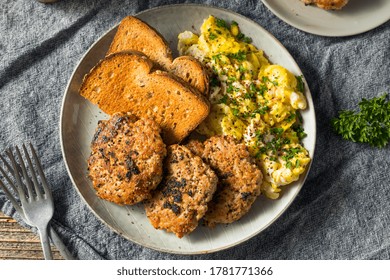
126	158
182	198
239	178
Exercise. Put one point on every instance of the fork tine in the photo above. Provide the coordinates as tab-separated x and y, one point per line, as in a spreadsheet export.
35	212
40	171
7	164
28	184
10	170
5	174
11	198
6	190
34	176
19	184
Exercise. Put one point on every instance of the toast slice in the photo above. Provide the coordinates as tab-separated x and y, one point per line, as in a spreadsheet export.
125	82
134	34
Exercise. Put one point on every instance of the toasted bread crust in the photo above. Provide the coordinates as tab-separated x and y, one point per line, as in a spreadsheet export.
190	70
134	34
125	82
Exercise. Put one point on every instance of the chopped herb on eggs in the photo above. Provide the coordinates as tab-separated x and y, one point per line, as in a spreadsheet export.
221	23
252	100
300	84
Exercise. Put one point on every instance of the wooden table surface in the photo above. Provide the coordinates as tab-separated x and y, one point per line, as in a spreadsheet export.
17	242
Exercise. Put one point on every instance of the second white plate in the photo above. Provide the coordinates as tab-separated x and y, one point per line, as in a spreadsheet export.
356	17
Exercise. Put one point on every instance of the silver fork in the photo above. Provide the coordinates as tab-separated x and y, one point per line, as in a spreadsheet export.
36	199
52	233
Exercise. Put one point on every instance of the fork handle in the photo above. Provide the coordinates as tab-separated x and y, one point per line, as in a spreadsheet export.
59	244
45	243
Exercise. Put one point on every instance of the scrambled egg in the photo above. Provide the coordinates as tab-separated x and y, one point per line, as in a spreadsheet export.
252	100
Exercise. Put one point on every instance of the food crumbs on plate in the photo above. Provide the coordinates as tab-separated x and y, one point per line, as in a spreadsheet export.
252	100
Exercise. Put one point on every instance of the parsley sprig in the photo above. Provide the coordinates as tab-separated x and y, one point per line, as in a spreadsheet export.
371	125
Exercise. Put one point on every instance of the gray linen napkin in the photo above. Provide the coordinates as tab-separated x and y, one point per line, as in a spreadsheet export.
343	210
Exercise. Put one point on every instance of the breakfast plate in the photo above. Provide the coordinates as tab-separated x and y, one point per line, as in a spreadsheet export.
79	120
356	17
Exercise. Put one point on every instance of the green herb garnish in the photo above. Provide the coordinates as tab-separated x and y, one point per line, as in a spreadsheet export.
243	38
262	90
299	131
252	87
221	23
300	84
291	117
229	88
212	36
241	69
249	95
260	110
235	112
239	56
216	57
371	125
277	130
214	82
223	100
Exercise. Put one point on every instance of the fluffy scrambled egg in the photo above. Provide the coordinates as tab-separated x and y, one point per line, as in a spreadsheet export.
253	100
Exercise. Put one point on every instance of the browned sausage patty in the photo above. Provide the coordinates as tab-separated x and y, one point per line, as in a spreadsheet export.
181	199
125	164
239	178
327	4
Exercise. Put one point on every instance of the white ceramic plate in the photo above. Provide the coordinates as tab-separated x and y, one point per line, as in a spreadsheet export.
79	120
356	17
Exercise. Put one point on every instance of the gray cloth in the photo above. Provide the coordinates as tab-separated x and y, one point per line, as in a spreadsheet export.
342	211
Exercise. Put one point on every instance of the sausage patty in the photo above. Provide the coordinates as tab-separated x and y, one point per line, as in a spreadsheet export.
239	178
181	199
327	4
125	164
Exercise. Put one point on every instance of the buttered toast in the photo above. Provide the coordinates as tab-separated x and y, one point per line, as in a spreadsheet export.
126	82
134	34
